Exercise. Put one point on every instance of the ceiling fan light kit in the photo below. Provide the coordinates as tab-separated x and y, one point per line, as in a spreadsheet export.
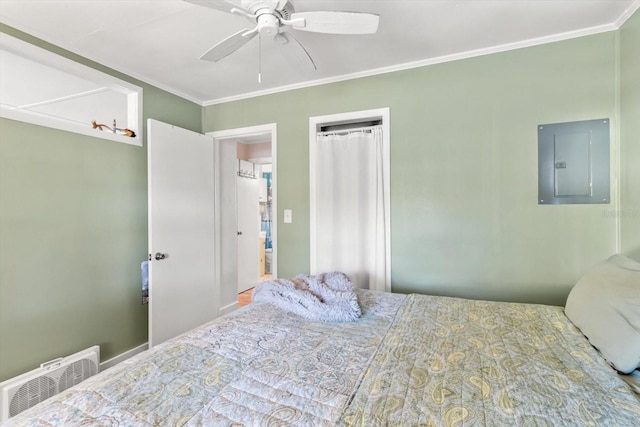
275	19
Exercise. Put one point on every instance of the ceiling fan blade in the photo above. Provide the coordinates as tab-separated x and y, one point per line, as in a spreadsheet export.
229	45
335	22
294	53
223	5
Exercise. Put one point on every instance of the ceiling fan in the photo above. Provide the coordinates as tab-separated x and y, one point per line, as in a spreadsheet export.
275	19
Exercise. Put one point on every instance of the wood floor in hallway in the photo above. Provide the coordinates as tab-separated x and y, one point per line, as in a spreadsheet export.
244	298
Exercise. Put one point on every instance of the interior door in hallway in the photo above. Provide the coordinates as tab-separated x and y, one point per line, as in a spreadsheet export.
248	232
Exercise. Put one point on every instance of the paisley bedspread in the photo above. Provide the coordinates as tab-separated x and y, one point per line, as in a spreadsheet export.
409	360
456	362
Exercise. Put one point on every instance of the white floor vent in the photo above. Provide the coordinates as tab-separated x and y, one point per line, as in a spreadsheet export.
26	390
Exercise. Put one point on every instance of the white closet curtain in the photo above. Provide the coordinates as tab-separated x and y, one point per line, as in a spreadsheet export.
349	206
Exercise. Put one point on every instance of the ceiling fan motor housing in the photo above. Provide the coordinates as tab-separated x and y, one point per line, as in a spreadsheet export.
258	7
268	24
267	19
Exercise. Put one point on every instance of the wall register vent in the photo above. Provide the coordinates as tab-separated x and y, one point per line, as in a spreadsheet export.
27	390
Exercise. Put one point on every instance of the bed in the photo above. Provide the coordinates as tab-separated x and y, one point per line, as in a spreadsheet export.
407	360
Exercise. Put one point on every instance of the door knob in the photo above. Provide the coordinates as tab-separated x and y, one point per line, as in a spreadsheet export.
239	233
160	256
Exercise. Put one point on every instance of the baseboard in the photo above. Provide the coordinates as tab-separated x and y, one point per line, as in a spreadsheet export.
123	356
229	308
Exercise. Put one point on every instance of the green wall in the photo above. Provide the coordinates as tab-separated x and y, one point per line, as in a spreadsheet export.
464	214
630	135
73	231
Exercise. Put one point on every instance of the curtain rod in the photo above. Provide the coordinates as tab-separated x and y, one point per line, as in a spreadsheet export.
348	131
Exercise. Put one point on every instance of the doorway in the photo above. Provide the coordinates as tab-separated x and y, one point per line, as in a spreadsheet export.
349	193
246	167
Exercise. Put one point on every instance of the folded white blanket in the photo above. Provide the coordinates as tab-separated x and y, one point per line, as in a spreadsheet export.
326	297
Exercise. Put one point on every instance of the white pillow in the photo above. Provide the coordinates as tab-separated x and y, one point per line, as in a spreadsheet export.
605	305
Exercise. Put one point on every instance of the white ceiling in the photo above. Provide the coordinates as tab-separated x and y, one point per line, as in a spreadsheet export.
160	41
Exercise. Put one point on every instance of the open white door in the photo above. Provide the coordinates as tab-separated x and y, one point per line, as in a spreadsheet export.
182	288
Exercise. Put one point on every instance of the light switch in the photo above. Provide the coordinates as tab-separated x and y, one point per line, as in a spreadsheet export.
288	216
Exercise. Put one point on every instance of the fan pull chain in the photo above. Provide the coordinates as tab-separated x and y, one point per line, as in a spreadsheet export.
259	58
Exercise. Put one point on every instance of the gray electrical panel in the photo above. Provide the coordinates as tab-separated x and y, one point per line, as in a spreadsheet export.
573	162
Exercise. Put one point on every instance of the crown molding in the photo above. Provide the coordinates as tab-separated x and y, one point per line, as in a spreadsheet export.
627	14
432	61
